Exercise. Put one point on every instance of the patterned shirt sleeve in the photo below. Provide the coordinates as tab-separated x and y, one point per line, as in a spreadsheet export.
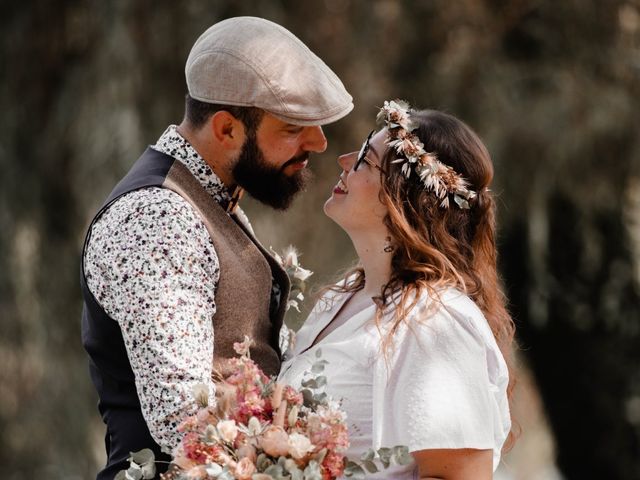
152	266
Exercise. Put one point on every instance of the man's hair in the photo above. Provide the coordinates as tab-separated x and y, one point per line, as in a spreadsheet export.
197	113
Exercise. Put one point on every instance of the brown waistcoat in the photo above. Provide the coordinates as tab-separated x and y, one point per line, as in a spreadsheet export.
243	297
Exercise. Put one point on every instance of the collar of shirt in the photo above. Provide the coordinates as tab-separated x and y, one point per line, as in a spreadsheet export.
173	144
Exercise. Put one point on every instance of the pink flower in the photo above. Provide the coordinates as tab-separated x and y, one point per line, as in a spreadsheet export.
228	430
248	451
244	469
299	446
197	473
334	463
275	442
292	396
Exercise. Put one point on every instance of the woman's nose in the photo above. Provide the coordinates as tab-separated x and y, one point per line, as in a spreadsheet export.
347	160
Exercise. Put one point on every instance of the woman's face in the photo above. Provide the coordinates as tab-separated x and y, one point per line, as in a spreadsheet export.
355	204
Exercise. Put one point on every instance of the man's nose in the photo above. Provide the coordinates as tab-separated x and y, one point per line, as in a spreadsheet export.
314	140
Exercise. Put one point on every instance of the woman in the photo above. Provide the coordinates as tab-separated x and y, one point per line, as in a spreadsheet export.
417	338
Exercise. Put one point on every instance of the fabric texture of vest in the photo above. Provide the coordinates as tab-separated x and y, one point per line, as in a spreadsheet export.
243	307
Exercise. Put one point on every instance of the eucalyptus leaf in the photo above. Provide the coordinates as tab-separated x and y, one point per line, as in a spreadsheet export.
401	455
144	462
321	381
263	462
274	470
310	383
321	398
370	466
143	456
134	472
317	367
307	397
385	455
368	455
319	352
312	471
353	470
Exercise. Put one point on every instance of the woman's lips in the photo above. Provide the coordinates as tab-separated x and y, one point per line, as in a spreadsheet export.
340	188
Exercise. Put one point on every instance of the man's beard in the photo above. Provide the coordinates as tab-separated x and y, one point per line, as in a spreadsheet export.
267	184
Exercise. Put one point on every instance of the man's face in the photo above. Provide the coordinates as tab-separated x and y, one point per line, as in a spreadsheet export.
273	160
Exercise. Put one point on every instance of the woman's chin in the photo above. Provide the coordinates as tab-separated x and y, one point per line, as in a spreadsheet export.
331	209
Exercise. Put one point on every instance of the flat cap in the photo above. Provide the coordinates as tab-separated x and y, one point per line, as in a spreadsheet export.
249	61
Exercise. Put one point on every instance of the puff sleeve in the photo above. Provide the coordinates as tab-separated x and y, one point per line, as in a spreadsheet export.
444	384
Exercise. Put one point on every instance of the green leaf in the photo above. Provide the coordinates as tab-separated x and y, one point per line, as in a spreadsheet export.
263	462
353	470
401	455
317	367
307	397
144	460
142	456
368	455
321	398
321	381
370	466
385	455
274	471
134	472
310	383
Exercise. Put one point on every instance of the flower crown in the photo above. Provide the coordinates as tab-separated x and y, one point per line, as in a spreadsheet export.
435	175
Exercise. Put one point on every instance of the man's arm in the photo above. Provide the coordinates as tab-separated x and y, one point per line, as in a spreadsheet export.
152	266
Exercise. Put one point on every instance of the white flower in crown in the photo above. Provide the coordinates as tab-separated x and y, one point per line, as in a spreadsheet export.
396	114
435	175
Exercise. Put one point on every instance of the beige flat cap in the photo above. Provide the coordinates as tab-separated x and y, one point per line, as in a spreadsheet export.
249	61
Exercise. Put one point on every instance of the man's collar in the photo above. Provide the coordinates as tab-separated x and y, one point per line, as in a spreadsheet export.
173	144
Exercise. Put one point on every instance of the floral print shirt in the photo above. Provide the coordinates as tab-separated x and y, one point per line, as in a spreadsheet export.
152	266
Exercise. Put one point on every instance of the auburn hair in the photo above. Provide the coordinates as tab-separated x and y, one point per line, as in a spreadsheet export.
438	247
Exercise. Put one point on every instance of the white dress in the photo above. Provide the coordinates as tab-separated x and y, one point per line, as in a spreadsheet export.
442	386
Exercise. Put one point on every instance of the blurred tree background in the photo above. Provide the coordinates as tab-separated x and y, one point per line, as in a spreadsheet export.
552	86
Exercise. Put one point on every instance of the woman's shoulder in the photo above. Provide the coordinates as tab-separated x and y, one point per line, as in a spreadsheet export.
450	305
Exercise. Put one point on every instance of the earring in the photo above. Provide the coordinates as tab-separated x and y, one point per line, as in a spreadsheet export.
388	247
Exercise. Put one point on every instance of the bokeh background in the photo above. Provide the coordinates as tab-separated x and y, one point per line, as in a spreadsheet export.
553	87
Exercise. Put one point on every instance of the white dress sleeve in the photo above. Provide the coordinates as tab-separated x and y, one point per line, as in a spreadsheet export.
444	384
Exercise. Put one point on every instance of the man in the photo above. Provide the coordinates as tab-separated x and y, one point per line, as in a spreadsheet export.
172	275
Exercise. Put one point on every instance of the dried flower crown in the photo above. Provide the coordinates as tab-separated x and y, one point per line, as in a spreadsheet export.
435	175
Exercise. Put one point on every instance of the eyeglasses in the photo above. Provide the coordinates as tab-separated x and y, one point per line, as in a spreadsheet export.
362	155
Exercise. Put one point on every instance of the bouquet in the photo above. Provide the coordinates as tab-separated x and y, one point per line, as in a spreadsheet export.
263	430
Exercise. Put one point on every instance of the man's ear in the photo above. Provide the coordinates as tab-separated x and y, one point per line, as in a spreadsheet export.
227	130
